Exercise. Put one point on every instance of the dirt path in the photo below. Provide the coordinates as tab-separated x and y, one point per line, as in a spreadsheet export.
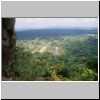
56	50
43	49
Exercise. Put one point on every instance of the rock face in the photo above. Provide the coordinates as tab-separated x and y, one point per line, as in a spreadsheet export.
8	42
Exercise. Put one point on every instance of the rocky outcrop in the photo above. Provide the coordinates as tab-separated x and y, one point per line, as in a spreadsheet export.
8	42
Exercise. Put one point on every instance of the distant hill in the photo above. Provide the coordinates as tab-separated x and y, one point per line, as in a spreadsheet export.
33	33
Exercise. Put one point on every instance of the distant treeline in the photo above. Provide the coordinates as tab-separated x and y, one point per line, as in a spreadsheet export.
33	33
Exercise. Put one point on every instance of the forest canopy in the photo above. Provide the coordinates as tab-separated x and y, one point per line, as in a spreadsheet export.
56	55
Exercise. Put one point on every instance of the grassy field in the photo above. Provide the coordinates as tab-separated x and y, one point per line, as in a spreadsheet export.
63	58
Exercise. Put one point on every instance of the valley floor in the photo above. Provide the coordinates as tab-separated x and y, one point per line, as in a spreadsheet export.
64	58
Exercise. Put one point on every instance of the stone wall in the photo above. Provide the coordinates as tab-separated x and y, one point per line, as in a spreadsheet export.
8	42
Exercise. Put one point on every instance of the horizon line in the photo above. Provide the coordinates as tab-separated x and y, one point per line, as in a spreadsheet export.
58	28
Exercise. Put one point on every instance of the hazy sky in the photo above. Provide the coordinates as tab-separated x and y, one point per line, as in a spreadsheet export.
35	23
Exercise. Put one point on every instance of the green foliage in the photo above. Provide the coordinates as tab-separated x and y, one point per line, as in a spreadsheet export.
92	63
76	61
88	74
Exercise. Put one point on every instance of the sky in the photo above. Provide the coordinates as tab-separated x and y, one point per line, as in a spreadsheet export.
41	23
